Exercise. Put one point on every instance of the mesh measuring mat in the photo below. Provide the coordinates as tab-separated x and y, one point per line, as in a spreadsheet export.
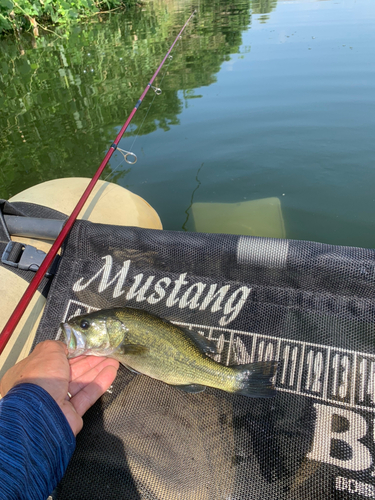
310	306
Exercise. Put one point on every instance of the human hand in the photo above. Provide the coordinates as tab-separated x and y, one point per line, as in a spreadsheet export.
86	378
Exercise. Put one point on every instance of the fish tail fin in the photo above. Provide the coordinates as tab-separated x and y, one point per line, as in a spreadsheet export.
254	380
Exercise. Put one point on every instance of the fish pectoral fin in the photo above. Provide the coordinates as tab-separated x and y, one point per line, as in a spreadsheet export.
116	331
134	349
206	345
192	388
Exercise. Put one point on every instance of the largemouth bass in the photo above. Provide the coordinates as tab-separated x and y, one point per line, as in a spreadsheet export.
147	344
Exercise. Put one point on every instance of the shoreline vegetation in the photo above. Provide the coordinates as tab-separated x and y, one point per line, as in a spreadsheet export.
37	16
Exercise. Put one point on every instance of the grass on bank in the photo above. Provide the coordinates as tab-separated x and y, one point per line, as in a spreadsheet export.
19	15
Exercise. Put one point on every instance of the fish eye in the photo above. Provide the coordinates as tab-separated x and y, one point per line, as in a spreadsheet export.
84	324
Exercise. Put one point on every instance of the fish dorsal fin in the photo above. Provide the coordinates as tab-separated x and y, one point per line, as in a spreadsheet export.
204	344
191	388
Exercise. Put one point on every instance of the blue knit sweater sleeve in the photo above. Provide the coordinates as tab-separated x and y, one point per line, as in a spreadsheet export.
36	443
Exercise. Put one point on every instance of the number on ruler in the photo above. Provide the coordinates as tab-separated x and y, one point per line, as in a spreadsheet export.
366	380
220	347
314	372
240	352
344	362
293	362
371	382
268	355
285	364
344	386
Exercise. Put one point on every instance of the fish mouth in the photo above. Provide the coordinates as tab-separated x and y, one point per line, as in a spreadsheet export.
75	341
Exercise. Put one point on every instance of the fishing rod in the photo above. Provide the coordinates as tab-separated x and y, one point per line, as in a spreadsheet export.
33	286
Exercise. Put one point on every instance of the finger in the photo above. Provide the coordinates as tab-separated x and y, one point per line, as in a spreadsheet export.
85	398
76	360
84	363
78	383
72	361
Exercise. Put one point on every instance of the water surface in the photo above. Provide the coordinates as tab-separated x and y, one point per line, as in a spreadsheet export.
270	99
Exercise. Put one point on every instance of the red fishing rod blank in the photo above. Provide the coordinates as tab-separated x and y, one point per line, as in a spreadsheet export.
33	286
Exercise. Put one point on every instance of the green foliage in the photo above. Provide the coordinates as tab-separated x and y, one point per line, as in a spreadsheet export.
263	6
6	7
63	98
23	14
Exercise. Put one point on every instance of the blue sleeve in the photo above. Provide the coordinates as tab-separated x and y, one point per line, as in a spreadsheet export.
36	443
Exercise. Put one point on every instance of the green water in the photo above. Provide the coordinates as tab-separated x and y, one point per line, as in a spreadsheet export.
270	99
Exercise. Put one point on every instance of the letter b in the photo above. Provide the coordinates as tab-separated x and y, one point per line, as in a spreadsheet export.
357	428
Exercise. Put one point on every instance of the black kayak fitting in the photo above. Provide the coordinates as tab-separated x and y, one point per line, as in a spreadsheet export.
33	227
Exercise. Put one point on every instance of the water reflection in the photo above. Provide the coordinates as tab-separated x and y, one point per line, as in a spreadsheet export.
263	7
65	96
188	210
277	110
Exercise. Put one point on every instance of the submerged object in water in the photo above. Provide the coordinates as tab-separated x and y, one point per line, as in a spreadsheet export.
147	344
